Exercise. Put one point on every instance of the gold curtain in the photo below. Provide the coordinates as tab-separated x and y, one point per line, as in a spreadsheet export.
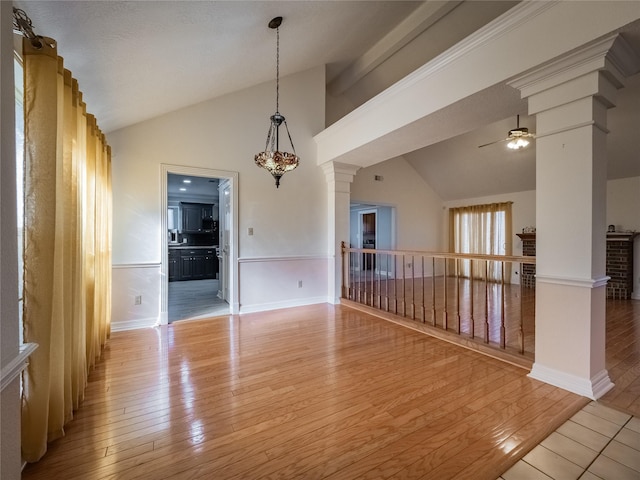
67	247
483	229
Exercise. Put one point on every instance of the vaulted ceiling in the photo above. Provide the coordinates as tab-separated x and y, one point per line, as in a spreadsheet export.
135	60
139	59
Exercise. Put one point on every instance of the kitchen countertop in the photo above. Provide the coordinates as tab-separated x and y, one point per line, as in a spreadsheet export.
184	247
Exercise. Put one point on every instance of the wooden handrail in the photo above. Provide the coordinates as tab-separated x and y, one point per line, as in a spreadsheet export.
447	255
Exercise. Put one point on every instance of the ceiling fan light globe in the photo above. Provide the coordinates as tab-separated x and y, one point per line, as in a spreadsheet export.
518	143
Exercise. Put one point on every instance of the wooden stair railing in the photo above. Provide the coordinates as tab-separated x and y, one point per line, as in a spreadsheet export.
452	292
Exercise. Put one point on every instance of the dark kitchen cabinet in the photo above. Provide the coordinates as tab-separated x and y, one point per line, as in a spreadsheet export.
193	215
192	264
186	270
191	218
197	266
210	264
174	265
207	210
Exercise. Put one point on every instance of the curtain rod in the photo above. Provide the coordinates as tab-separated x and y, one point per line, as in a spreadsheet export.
22	24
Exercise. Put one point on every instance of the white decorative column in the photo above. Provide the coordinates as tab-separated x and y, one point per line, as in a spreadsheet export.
339	178
570	98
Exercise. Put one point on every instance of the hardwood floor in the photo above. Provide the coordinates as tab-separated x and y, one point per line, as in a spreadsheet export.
623	355
405	298
311	392
423	300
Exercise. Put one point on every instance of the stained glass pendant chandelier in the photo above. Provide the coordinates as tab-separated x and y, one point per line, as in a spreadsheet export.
276	162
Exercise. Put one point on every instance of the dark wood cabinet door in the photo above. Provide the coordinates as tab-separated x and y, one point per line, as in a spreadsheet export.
186	268
210	266
174	265
173	269
207	210
191	218
197	267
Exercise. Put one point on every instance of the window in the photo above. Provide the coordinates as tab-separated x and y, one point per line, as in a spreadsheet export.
481	229
19	87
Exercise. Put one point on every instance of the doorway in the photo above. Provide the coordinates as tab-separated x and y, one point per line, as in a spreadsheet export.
372	226
199	213
368	238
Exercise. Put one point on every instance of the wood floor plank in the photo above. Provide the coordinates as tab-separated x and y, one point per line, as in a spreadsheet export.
497	460
623	355
423	453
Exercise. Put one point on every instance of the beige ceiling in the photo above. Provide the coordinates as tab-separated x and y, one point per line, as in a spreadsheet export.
135	60
138	60
496	169
457	168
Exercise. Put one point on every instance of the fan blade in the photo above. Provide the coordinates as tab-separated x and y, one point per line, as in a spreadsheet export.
493	143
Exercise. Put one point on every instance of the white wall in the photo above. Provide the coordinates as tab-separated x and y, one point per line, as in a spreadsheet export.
623	203
224	134
418	208
128	282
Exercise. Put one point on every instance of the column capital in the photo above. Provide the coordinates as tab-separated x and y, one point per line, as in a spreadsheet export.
339	172
611	55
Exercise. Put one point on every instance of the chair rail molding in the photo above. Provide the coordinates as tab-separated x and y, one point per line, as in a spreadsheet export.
16	365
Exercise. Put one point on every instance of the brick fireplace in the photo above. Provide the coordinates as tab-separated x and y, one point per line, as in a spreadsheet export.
528	271
619	263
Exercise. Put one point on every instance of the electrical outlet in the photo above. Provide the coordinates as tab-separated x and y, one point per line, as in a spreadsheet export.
299	283
138	300
250	231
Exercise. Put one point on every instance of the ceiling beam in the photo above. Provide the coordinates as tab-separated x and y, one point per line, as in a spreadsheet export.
421	19
397	120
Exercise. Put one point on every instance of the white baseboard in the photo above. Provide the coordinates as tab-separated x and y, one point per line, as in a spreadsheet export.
593	388
635	296
301	302
134	324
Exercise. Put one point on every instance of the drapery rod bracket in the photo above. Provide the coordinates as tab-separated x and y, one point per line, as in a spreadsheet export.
22	24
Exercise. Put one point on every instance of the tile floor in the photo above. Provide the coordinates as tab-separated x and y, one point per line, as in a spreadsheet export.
597	443
195	299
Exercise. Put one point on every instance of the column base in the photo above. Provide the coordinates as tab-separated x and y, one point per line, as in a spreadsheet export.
592	388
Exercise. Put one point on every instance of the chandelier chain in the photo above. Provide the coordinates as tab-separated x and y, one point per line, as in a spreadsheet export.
277	69
290	140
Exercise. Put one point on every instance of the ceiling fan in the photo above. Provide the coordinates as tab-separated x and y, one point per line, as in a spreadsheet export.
518	138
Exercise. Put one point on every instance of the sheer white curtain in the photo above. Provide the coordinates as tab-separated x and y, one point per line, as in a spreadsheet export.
483	229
